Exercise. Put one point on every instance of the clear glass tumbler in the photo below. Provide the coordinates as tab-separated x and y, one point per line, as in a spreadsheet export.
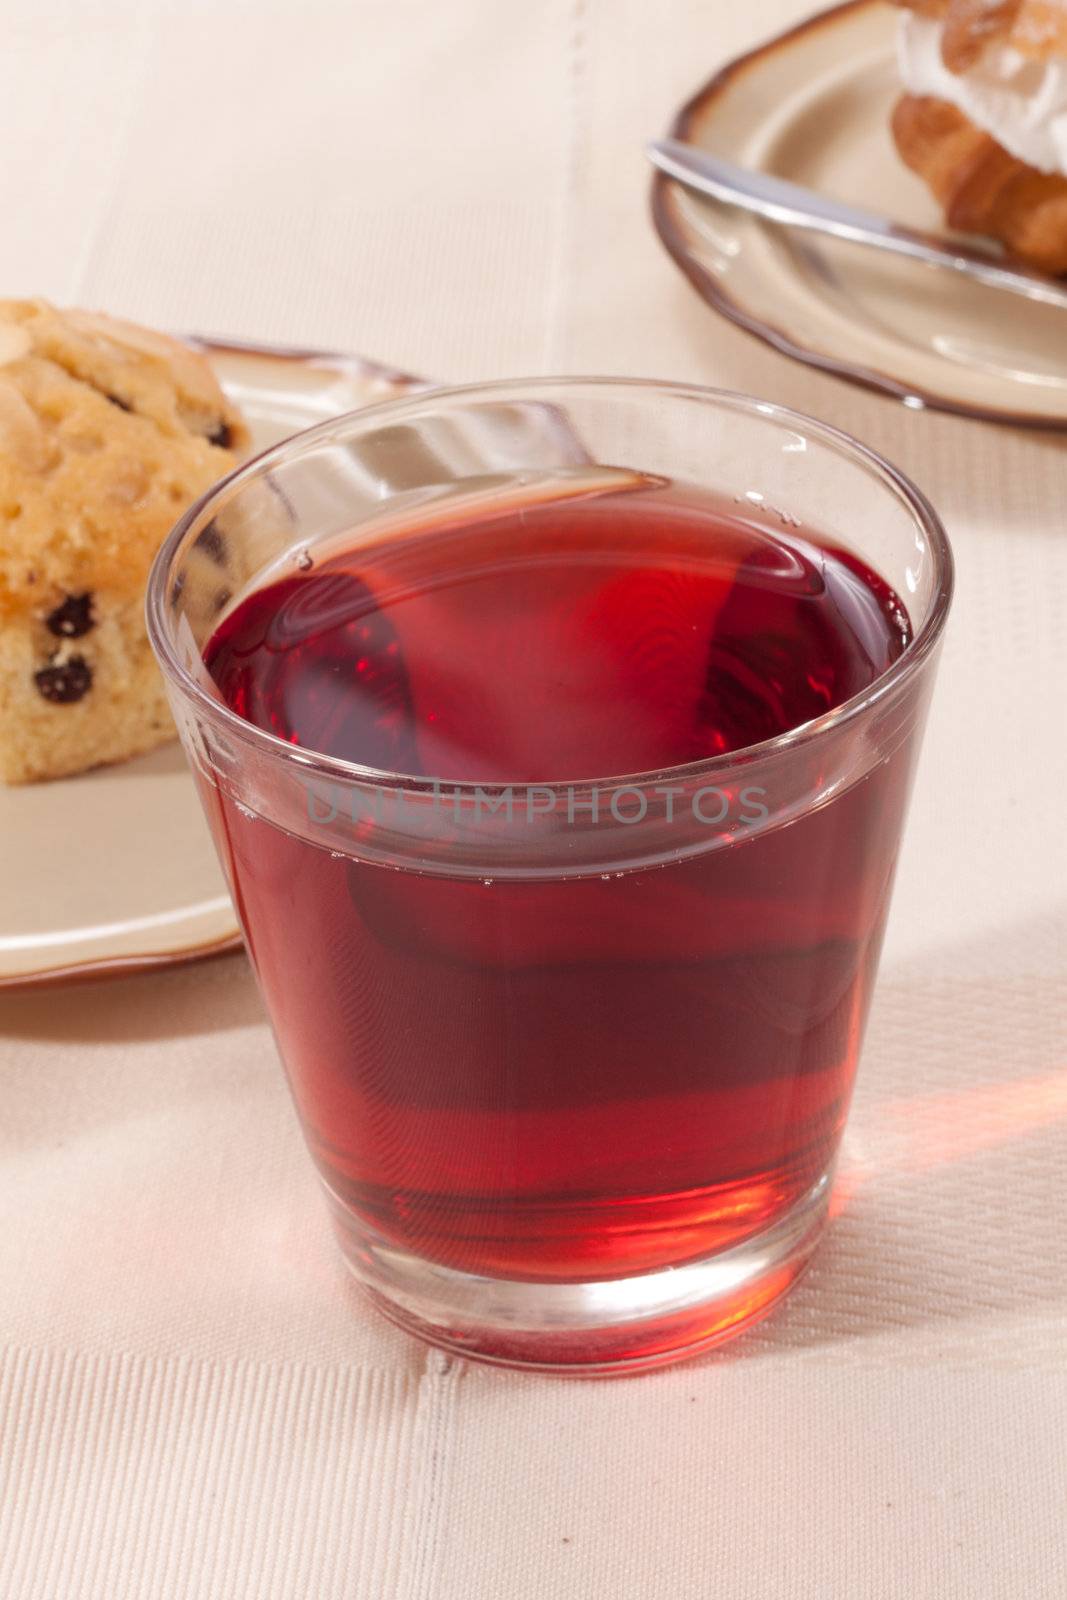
573	1060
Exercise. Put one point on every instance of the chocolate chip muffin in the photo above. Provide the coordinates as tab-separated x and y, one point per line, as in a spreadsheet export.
107	433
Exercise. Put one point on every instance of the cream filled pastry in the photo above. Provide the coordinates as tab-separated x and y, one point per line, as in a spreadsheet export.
984	117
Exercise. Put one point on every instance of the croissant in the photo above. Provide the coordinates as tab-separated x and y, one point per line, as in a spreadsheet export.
982	186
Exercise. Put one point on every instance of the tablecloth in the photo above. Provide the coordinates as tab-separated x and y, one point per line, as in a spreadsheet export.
194	1401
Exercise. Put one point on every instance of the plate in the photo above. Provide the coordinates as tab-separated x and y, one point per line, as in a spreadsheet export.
114	870
813	105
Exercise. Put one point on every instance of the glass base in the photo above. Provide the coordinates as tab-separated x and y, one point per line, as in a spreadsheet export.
614	1326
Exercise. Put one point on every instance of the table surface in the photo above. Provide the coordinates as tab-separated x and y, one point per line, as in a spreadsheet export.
193	1400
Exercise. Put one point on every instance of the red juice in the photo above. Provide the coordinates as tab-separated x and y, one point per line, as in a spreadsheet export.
563	1078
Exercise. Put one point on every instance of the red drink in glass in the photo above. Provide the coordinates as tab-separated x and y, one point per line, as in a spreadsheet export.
567	899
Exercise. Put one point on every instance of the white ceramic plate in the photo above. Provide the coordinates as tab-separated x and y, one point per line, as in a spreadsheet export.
813	105
114	870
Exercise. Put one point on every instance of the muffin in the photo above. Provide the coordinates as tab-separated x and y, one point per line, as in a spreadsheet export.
984	118
107	433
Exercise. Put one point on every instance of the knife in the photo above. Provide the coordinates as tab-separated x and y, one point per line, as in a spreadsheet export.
796	207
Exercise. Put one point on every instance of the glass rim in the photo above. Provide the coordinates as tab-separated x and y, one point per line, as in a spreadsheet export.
899	672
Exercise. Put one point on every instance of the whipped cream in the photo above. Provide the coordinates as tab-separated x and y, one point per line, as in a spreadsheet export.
1020	101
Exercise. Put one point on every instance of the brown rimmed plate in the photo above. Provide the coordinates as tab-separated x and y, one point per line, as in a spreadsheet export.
114	871
813	105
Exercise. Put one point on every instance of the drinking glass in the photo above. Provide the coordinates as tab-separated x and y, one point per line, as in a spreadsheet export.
573	1061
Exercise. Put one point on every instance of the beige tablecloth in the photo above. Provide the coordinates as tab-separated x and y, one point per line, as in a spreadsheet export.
193	1401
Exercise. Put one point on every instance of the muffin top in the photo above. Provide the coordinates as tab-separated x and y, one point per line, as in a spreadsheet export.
108	432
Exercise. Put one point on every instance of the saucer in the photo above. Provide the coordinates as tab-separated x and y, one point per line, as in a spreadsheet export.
813	106
114	871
